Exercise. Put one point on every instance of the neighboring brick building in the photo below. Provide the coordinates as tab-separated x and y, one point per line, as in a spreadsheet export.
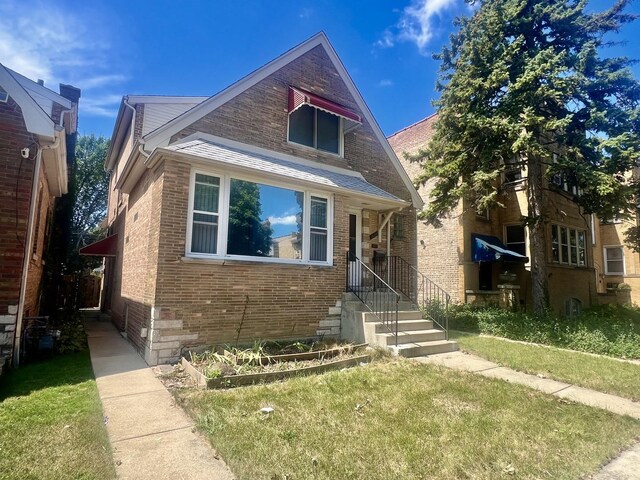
446	254
202	188
34	125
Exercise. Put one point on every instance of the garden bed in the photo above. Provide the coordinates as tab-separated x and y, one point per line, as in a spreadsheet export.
235	367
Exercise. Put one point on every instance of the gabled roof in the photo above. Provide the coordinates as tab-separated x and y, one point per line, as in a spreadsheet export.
277	165
36	119
162	135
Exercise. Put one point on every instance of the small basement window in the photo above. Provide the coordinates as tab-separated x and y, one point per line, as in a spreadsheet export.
573	307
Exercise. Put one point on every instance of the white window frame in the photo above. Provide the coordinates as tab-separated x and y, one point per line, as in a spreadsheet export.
606	260
223	219
340	152
570	231
512	166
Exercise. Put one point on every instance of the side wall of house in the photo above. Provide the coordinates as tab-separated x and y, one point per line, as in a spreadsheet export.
16	174
44	213
439	250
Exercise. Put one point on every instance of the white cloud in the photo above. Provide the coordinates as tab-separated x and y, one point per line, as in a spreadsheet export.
385	83
42	40
285	220
101	106
416	24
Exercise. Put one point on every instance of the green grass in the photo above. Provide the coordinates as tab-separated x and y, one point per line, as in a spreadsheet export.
405	420
612	330
598	373
51	423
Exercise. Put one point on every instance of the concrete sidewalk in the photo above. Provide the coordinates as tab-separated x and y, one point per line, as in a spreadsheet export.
474	364
152	438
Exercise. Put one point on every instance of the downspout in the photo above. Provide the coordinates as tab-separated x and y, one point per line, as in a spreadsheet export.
133	109
28	248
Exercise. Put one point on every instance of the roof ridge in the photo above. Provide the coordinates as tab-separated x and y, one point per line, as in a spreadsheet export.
413	124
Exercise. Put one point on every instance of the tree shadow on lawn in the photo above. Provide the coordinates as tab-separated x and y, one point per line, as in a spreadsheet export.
66	369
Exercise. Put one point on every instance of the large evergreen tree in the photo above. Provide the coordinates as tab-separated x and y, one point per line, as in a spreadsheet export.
523	80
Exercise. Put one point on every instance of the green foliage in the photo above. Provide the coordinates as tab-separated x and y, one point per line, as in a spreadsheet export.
248	235
607	330
525	80
73	337
92	183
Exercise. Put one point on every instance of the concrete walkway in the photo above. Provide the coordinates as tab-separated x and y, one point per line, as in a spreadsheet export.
152	438
472	363
625	467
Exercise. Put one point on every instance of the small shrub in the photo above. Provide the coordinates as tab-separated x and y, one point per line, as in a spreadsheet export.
607	330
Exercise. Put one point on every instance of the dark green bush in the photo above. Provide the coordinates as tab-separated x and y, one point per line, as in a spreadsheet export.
607	330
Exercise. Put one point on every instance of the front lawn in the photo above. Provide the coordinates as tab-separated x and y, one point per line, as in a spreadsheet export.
598	373
612	330
51	423
404	420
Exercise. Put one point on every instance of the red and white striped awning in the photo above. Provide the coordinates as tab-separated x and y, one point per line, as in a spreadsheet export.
299	97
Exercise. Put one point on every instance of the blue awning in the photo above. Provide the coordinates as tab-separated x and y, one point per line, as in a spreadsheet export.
486	248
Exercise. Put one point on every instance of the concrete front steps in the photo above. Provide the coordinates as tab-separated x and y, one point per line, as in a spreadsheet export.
416	335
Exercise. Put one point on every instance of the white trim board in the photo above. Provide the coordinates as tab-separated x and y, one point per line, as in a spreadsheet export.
162	135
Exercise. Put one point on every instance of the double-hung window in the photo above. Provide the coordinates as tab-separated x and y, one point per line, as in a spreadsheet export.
613	260
515	239
233	217
568	246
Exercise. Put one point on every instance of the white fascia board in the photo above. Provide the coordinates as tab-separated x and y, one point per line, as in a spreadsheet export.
245	147
54	162
162	135
36	88
165	99
116	136
35	118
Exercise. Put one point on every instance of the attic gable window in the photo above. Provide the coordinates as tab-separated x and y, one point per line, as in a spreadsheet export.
317	122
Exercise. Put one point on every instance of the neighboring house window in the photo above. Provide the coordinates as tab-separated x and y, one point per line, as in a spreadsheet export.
568	245
483	213
613	260
565	181
612	220
240	218
573	307
513	170
515	239
316	128
398	226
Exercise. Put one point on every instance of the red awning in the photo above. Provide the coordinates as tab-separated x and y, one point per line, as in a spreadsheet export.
298	97
107	247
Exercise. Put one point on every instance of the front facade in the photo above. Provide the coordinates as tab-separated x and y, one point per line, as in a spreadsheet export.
233	220
35	124
455	255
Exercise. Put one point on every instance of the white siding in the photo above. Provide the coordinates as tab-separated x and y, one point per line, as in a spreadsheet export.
157	114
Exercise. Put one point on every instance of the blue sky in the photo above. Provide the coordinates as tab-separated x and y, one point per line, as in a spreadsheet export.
116	47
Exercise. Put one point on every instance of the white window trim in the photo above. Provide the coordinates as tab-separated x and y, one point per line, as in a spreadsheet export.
223	216
606	260
315	133
561	260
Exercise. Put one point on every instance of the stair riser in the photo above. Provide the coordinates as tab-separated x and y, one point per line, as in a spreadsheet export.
406	315
419	351
389	340
407	326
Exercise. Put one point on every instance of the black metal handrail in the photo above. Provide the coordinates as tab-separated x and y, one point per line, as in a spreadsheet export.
376	294
423	292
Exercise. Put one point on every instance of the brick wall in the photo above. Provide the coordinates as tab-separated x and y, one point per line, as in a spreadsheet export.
439	250
16	176
44	213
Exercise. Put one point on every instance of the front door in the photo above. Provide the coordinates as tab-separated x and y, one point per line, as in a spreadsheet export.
355	249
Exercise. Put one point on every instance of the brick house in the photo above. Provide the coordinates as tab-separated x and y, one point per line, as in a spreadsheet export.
231	216
483	257
614	262
35	125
